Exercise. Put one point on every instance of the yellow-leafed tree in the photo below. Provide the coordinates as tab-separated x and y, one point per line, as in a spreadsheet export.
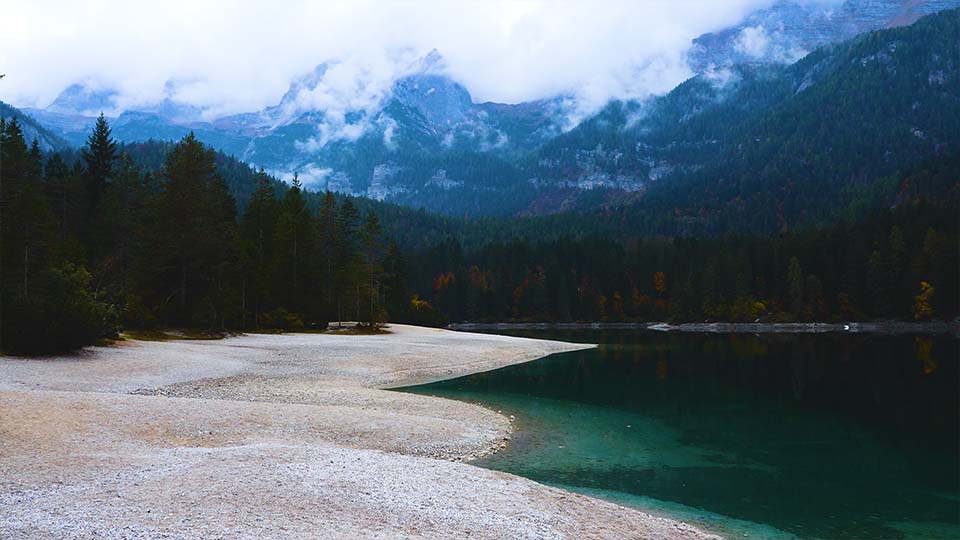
922	309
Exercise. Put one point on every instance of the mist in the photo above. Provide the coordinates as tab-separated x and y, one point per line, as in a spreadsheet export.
244	58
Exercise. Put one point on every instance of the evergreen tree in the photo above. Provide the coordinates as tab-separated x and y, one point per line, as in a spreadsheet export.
795	286
370	240
57	180
99	155
257	233
394	282
347	282
292	245
45	303
194	242
328	241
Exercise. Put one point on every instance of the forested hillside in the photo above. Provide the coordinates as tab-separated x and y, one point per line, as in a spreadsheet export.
103	241
768	148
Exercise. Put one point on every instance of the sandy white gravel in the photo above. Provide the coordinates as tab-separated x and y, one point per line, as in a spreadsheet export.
266	436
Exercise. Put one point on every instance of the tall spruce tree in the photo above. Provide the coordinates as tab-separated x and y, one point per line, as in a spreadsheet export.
257	231
347	282
292	248
328	238
99	155
372	269
194	242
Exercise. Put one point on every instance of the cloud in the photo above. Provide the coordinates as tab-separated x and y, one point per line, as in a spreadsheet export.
753	41
389	126
311	176
242	57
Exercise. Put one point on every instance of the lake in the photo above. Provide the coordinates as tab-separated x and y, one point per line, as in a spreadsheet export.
777	436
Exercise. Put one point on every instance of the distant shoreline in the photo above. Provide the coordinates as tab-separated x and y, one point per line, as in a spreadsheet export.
878	327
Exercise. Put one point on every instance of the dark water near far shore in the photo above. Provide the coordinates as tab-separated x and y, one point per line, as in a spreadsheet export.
774	436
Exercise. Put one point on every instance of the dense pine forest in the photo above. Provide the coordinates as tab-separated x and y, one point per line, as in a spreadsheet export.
895	264
100	244
151	235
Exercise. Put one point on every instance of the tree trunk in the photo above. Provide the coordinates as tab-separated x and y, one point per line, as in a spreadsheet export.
26	269
243	303
183	286
293	295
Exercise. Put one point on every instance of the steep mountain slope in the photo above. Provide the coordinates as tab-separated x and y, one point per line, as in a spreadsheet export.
790	29
846	116
850	111
47	139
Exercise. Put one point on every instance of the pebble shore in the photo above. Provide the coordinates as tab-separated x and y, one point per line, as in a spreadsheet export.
277	436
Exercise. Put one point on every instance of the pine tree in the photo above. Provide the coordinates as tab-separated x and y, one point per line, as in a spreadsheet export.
292	247
46	304
99	156
57	184
257	231
347	282
194	242
370	240
394	281
328	239
795	285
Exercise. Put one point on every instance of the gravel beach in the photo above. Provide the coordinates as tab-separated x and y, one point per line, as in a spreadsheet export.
277	436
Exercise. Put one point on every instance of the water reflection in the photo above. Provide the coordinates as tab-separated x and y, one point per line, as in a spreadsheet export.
924	350
823	436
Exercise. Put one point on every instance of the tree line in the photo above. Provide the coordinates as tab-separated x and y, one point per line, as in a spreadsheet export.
892	264
149	236
99	244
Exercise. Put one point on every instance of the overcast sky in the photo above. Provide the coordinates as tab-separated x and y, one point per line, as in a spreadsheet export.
241	56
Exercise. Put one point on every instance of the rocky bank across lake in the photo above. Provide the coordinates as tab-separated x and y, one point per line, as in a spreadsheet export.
277	436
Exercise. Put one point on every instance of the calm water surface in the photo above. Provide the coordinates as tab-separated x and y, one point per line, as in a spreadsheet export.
801	436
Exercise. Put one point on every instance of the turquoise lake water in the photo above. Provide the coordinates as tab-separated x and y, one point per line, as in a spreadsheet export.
776	436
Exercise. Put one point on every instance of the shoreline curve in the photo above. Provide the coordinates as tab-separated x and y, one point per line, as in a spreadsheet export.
277	436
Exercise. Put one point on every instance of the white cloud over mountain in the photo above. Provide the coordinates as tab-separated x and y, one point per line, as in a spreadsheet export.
241	56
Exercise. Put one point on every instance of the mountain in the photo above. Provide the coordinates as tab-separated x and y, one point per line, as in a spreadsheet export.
897	85
425	143
81	99
790	29
785	146
422	141
33	130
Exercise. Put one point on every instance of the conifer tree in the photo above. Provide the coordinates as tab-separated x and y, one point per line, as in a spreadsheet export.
57	183
45	303
292	248
257	231
395	293
795	286
328	238
99	156
370	240
195	240
347	283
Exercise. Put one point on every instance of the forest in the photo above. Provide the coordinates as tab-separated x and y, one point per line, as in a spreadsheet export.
99	245
175	235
